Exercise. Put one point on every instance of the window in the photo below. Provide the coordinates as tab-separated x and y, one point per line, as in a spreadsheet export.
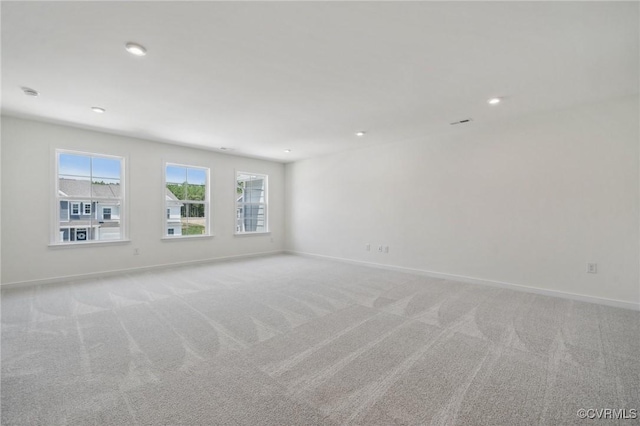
186	200
251	203
86	183
64	211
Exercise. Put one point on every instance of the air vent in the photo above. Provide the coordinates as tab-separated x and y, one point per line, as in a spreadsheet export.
466	120
30	92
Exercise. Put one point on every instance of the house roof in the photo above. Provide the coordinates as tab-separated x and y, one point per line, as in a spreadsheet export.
81	189
171	198
84	189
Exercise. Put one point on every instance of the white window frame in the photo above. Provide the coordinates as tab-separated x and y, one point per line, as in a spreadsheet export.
265	203
55	234
84	208
207	196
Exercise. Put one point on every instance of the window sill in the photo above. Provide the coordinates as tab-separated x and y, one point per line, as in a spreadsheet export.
248	234
87	243
187	237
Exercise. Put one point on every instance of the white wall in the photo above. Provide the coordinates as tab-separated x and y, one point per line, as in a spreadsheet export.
526	202
27	149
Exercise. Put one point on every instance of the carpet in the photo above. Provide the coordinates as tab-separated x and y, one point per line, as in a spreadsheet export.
289	340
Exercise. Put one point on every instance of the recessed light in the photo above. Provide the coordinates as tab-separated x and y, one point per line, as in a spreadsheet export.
287	150
224	148
494	101
30	92
98	110
136	49
360	133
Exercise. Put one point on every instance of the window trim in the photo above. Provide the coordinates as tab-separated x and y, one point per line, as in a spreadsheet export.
74	204
84	209
206	202
267	229
55	198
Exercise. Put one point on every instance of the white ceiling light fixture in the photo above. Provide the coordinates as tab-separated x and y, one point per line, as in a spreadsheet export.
360	134
287	151
30	92
98	110
494	101
136	49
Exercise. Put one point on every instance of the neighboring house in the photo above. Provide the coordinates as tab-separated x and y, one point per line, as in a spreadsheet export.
173	218
250	208
82	218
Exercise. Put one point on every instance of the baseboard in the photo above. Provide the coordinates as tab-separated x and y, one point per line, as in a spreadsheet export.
481	281
134	270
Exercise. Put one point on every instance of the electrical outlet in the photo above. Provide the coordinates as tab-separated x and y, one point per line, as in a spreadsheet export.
367	247
386	249
380	249
136	251
592	268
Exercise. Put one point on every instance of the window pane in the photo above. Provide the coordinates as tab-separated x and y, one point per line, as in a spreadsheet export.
176	181
90	198
254	191
186	208
196	192
193	219
251	214
74	165
106	188
82	227
196	188
105	168
64	211
75	187
251	218
196	176
241	184
108	223
173	222
176	174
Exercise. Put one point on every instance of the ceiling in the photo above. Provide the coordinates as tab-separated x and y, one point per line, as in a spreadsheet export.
263	77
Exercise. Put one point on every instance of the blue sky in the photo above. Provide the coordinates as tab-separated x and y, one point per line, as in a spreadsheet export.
80	165
108	170
178	174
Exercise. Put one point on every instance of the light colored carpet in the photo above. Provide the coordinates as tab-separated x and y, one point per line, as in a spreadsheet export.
287	340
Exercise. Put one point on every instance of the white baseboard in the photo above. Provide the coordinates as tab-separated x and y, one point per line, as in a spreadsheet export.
134	270
461	278
481	281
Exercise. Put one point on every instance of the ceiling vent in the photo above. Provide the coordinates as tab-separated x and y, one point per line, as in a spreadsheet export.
29	91
466	120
